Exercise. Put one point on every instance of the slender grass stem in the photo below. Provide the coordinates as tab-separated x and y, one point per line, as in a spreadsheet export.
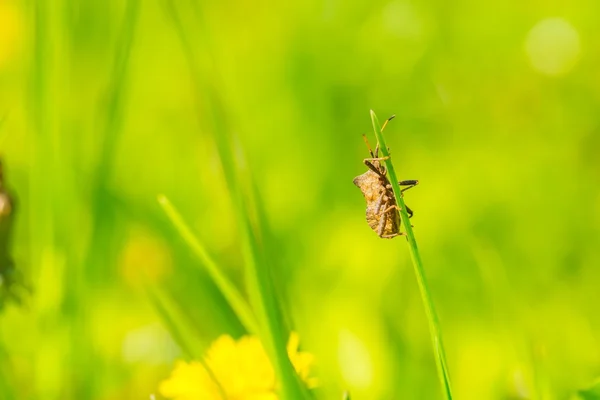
233	296
434	325
213	115
191	345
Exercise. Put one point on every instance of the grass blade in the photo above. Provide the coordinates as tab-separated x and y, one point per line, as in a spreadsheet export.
180	329
116	95
434	325
233	296
172	318
111	117
261	290
205	77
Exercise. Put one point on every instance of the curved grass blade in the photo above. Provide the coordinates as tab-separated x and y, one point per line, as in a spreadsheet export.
262	296
233	296
183	334
189	343
434	325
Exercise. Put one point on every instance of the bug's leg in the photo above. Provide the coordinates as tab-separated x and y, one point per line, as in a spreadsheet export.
382	220
408	210
370	165
369	147
380	202
374	155
377	159
379	171
391	235
390	208
411	183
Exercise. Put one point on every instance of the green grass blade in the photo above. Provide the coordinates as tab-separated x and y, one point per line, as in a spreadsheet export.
434	325
205	77
233	296
263	296
181	331
264	234
111	116
117	92
261	289
172	318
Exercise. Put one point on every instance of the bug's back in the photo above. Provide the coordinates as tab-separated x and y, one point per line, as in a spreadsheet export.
372	187
392	220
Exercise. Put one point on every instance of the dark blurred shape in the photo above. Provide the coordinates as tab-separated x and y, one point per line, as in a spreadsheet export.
11	281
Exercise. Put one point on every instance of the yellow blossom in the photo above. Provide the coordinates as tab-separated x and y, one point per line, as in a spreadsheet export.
241	368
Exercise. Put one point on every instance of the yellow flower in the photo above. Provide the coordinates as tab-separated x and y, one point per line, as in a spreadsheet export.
241	368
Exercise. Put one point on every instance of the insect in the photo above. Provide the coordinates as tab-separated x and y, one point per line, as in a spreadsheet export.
382	211
10	277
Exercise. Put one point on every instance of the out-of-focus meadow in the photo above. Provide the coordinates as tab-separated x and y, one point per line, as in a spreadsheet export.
104	106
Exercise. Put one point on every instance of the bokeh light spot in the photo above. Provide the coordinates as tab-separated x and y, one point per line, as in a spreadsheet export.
401	19
553	46
151	344
145	258
355	361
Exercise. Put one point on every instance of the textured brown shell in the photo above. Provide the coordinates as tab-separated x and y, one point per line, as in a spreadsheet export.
372	186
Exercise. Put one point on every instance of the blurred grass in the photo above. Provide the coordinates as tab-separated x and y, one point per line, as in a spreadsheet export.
257	270
487	134
237	303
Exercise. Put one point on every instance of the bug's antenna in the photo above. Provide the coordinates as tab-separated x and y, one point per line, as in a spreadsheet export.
368	145
386	121
374	155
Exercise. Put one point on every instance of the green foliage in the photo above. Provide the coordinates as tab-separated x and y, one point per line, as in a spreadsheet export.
591	393
248	116
235	299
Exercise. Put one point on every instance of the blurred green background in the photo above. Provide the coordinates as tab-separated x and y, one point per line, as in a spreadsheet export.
497	116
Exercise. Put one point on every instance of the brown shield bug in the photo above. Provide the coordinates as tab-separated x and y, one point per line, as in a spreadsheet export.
382	211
